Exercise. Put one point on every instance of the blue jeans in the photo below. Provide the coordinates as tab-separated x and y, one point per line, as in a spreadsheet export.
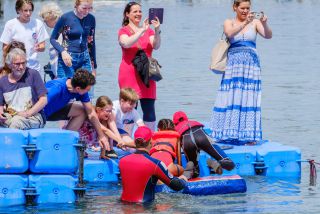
79	60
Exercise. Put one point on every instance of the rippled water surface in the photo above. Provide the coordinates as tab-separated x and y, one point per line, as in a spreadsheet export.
290	103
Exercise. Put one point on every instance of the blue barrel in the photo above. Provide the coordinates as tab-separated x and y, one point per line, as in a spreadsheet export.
11	189
101	170
55	151
13	158
53	188
210	185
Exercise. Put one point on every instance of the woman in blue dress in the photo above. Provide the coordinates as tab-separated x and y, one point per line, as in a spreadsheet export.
237	110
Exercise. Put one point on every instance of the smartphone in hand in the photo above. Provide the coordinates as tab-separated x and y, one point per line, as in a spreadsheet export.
257	15
156	12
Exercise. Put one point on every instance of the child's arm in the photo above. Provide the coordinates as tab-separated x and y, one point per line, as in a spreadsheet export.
137	118
123	141
110	133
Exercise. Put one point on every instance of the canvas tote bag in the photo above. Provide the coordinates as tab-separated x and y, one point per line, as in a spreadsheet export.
219	55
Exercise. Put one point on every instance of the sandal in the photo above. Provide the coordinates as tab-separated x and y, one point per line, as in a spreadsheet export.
111	154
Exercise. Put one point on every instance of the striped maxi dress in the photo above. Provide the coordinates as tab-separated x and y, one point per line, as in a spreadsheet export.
237	110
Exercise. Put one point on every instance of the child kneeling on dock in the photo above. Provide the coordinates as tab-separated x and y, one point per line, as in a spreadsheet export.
194	139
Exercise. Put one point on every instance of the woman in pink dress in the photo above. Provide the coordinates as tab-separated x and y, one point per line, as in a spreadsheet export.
132	37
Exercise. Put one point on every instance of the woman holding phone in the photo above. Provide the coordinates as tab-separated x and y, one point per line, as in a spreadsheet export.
133	36
237	109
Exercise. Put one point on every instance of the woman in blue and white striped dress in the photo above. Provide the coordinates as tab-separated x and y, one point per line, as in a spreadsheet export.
237	110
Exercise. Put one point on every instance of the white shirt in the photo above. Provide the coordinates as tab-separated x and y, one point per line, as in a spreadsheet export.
125	121
30	34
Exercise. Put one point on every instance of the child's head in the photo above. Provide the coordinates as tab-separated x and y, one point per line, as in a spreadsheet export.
103	107
128	99
142	137
165	124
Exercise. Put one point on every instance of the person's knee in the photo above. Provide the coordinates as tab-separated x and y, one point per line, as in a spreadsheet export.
77	110
17	123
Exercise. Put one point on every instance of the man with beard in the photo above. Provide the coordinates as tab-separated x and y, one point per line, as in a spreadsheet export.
22	94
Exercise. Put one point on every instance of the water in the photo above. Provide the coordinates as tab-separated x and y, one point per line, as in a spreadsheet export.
290	96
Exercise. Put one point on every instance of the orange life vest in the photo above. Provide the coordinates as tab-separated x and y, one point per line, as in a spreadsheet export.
165	141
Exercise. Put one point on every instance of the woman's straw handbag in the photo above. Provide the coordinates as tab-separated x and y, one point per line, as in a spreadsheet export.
219	55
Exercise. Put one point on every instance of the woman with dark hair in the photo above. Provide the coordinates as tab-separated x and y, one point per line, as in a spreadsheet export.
27	30
132	37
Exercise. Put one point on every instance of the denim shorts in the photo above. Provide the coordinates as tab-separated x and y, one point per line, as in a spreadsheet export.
79	60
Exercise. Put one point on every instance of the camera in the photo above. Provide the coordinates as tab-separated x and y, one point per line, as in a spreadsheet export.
47	70
257	15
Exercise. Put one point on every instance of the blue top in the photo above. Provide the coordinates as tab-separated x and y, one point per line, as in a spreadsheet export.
78	35
59	96
250	35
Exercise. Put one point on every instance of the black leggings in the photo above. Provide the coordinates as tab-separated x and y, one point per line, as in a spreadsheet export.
148	109
201	141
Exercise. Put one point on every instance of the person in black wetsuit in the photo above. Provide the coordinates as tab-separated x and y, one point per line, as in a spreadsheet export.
194	139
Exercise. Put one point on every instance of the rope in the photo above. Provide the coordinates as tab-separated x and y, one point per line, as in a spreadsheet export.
313	172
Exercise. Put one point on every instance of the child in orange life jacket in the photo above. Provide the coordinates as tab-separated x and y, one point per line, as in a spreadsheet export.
194	139
166	146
